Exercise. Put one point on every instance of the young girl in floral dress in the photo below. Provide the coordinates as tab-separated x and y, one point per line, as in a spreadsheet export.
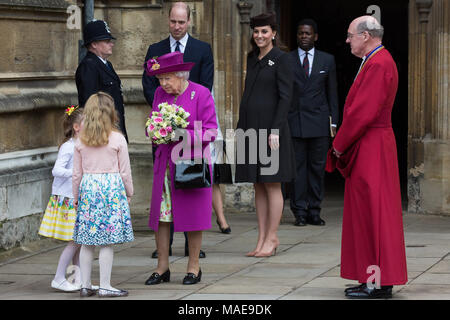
59	217
102	187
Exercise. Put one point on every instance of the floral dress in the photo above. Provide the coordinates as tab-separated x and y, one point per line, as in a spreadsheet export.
103	215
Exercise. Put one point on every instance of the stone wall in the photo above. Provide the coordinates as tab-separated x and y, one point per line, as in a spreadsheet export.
428	107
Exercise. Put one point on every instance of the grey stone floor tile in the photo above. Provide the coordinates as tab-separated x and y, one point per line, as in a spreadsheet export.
421	264
424	292
308	293
433	278
233	296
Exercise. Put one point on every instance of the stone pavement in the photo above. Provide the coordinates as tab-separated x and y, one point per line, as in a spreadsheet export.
306	265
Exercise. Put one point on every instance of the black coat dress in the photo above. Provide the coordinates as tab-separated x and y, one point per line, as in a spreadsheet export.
265	105
92	76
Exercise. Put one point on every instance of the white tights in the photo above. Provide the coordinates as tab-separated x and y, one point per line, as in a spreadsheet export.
71	253
105	260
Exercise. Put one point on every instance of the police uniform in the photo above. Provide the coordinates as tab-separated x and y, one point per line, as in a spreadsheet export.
94	74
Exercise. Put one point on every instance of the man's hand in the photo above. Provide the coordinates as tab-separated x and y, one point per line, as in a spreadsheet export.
274	141
337	153
333	131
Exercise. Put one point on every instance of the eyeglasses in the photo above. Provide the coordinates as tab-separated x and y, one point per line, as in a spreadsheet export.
351	35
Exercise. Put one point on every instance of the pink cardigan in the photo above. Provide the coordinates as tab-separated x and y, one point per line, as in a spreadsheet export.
111	158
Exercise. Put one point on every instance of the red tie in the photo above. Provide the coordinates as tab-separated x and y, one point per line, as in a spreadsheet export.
306	64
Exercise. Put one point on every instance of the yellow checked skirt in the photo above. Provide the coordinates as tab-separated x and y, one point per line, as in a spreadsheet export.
59	219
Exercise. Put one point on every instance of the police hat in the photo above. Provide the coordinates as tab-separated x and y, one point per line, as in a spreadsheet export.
96	30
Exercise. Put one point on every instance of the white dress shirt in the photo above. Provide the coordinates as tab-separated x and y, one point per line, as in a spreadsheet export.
62	171
302	53
103	60
183	42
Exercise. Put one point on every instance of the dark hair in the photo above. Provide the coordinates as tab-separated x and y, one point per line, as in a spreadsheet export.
255	48
69	121
308	22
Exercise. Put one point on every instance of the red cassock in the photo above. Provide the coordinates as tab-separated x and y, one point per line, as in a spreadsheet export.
372	228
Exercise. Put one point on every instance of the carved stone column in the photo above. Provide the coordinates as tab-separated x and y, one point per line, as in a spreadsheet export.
428	134
244	13
419	13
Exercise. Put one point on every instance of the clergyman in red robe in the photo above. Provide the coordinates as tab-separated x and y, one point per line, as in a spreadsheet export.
364	151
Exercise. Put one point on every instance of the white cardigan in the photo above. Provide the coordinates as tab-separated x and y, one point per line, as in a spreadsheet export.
62	171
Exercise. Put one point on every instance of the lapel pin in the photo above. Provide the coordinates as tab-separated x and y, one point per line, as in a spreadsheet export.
192	95
271	63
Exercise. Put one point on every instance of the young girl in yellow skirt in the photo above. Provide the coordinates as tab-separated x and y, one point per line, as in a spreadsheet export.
59	218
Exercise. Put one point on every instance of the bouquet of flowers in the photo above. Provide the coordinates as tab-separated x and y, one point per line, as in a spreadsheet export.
161	125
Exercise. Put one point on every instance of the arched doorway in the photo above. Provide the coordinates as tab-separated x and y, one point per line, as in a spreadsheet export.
333	18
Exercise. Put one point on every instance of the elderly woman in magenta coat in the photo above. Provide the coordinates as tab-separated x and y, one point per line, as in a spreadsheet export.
188	209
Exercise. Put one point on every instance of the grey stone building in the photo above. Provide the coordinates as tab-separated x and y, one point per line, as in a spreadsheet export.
40	52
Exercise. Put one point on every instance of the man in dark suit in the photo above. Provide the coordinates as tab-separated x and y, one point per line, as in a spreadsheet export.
194	51
312	119
95	73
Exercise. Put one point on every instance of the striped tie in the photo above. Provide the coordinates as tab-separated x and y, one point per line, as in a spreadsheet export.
306	64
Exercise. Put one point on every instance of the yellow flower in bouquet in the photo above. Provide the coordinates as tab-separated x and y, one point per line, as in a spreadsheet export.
161	125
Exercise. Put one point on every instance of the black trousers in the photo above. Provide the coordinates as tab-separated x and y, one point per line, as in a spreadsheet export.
307	190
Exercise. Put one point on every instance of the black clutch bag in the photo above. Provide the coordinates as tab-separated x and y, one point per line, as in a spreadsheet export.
192	175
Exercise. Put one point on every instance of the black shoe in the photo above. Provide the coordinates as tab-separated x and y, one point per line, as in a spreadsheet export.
201	255
364	292
355	288
223	230
155	278
191	278
315	220
300	221
155	253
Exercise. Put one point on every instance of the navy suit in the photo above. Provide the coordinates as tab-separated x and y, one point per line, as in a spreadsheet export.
196	51
202	73
314	100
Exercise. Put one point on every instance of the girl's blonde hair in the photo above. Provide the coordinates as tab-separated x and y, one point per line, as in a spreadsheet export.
100	118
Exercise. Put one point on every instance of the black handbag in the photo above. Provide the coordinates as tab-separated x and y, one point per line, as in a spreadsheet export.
192	175
222	171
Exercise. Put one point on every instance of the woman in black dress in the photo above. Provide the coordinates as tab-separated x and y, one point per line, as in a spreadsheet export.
263	110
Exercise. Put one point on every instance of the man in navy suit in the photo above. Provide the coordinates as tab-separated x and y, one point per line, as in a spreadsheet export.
194	51
312	119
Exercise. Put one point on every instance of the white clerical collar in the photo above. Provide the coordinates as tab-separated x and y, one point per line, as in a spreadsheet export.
183	42
301	52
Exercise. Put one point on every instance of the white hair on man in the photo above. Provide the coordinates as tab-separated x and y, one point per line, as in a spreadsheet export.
182	74
372	26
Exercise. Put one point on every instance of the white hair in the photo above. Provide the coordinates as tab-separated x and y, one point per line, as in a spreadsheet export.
182	74
372	26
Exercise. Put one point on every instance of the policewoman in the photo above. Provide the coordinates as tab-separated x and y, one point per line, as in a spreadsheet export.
95	73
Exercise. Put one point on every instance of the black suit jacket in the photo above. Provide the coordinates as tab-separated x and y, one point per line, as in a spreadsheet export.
92	76
315	97
196	51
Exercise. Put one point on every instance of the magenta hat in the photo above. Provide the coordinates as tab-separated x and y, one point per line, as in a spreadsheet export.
171	62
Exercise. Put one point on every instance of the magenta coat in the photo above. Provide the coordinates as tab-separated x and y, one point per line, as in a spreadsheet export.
191	208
